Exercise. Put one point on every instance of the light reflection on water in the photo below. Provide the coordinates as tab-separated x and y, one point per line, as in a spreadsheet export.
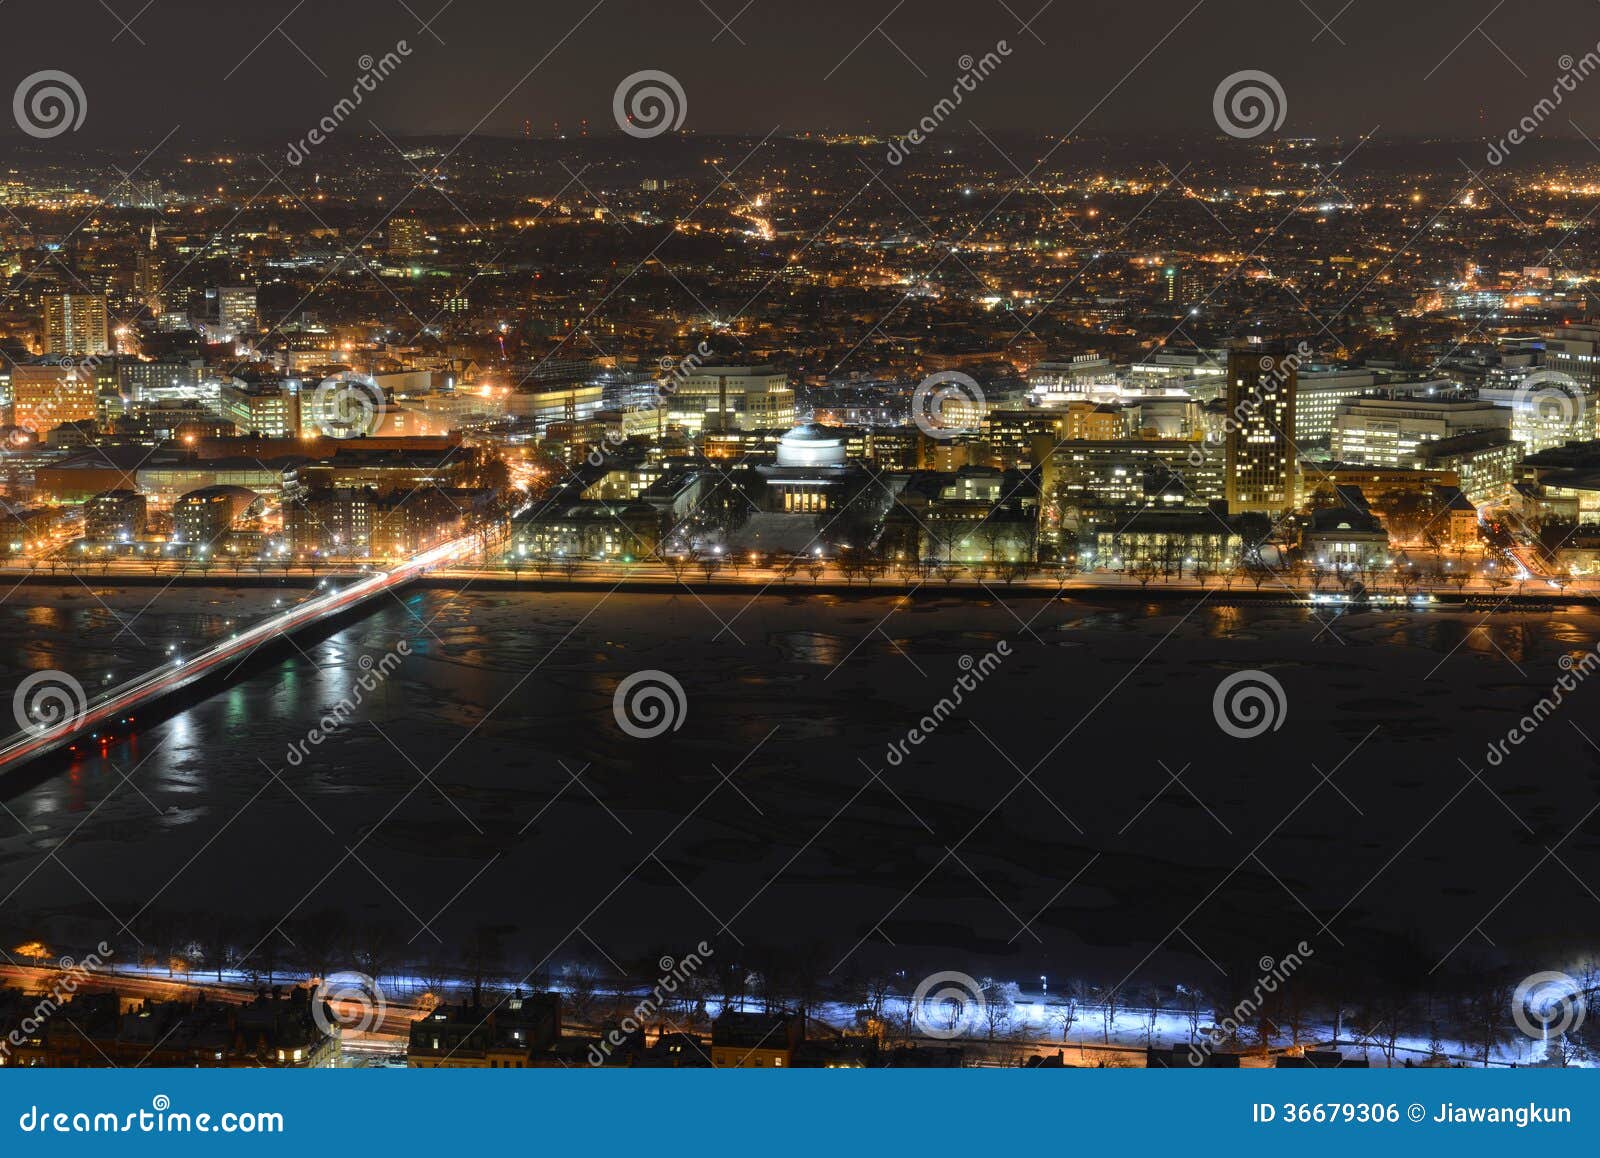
837	689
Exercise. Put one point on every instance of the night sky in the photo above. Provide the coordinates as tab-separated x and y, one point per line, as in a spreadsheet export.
1105	66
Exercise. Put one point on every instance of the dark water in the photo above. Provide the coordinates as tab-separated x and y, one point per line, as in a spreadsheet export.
486	781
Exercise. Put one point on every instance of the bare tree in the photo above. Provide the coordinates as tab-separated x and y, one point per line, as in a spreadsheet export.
1108	1012
1065	1013
581	983
1489	1010
1193	1001
1152	1016
997	1007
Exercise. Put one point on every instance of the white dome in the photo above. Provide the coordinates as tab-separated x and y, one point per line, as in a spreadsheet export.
811	445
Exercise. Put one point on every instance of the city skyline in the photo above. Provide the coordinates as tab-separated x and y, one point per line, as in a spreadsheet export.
615	535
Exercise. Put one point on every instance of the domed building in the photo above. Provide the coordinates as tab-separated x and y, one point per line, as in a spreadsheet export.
811	473
804	488
812	445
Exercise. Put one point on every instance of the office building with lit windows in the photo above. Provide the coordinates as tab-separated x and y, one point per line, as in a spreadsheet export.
1575	352
46	395
1137	472
267	408
1392	431
407	237
114	516
75	325
236	311
1260	452
201	517
731	398
1318	395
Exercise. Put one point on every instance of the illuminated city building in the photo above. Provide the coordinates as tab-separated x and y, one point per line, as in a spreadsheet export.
276	1029
1260	451
1318	395
201	518
1392	431
756	1040
730	397
1172	541
407	237
1575	352
1345	538
236	311
270	408
75	325
508	1035
46	395
114	516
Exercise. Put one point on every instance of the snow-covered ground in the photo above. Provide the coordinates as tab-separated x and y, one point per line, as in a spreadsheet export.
1032	1024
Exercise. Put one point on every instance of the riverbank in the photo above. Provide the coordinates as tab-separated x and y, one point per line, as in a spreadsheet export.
1279	591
